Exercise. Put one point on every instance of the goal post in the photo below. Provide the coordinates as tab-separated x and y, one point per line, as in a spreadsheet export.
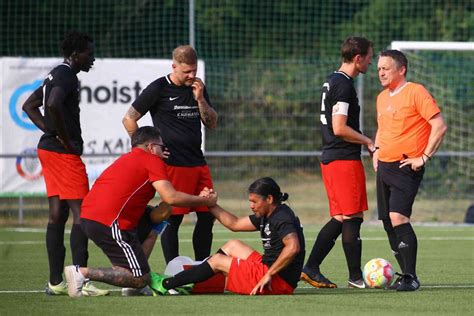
433	46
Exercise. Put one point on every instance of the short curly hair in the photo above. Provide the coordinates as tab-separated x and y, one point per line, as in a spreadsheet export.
75	42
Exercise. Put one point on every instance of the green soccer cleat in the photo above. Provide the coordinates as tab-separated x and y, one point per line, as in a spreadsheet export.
156	284
184	289
59	289
90	290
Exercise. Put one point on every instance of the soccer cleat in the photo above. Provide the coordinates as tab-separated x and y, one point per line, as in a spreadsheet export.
316	279
144	291
396	283
89	289
75	281
358	284
408	283
59	289
156	283
185	289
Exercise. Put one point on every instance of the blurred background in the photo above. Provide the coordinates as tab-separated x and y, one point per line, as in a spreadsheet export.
265	63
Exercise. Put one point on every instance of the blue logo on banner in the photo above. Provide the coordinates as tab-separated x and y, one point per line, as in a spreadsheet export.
17	114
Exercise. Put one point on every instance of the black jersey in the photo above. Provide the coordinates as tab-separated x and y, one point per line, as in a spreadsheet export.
339	87
62	76
175	112
272	231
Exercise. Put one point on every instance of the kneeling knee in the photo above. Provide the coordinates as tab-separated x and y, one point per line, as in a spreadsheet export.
142	281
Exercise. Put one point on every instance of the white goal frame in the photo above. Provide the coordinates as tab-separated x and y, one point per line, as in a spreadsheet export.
415	45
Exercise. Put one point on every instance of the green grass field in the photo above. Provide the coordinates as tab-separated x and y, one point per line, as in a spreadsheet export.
445	269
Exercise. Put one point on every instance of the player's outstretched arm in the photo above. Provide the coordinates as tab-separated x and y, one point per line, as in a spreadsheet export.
31	108
232	222
130	120
169	195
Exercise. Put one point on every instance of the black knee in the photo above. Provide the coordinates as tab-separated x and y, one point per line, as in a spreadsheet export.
58	213
205	219
351	230
331	230
387	225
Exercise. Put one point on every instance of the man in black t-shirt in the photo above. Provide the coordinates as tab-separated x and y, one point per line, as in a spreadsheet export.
341	167
248	272
178	103
59	151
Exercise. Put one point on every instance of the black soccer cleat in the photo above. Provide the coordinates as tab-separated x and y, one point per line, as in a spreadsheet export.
316	279
408	283
396	283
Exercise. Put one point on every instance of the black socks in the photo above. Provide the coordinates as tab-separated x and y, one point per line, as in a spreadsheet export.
202	235
79	246
196	274
169	238
56	252
324	242
392	239
407	247
352	246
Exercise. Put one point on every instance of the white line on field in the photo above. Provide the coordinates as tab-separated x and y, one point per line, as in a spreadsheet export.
447	238
459	286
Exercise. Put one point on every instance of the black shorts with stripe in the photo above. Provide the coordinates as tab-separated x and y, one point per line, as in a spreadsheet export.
122	247
396	188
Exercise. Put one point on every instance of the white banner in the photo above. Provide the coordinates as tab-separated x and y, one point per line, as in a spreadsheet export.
106	91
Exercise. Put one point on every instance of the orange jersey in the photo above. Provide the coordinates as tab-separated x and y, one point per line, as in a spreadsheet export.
402	118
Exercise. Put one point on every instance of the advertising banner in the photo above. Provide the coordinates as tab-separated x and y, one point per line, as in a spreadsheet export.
106	92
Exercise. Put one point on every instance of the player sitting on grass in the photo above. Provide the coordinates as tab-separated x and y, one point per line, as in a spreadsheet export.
111	211
247	271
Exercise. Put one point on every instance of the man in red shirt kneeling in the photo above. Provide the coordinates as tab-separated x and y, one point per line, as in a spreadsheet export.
113	207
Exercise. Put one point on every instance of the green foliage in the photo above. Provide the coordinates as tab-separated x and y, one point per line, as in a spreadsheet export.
266	60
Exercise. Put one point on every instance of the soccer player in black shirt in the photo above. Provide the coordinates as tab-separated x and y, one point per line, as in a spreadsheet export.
178	103
341	167
59	151
248	272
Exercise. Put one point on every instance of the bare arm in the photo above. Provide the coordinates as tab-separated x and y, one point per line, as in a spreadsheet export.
344	131
31	108
290	250
375	154
169	195
232	222
130	120
53	106
438	130
208	114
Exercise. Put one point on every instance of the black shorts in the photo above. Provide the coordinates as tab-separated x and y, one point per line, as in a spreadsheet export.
396	188
122	247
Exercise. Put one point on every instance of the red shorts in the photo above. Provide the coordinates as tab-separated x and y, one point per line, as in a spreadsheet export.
245	274
345	186
64	174
189	180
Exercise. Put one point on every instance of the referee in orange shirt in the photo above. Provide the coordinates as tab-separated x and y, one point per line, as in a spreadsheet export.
410	130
